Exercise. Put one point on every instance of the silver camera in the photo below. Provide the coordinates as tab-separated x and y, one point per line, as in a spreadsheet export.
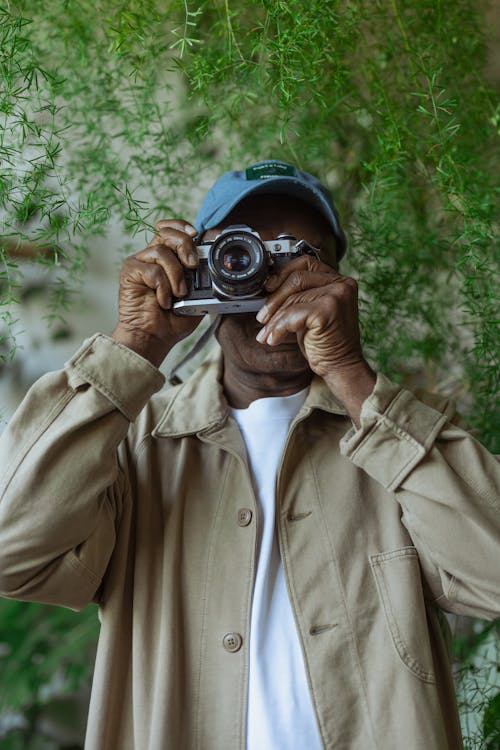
233	268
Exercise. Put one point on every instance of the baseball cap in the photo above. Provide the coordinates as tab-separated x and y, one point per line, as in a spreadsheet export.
268	176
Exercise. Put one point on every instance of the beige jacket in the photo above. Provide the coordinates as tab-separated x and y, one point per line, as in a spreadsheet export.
378	528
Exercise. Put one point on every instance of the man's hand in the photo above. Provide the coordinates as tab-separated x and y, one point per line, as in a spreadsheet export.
319	305
149	280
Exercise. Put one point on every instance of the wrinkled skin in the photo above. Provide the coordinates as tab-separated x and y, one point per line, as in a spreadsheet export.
149	280
308	325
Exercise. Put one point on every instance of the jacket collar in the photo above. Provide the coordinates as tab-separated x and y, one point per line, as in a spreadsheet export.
199	404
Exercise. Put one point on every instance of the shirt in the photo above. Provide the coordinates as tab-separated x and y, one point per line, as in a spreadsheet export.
280	710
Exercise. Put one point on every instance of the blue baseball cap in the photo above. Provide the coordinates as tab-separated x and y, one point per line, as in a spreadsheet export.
269	176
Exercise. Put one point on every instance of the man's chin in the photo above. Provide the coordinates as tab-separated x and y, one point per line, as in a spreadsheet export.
285	357
237	337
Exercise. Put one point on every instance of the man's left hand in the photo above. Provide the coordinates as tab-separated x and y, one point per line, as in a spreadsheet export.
320	305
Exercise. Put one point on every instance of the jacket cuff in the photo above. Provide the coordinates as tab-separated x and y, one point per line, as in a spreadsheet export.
122	376
396	432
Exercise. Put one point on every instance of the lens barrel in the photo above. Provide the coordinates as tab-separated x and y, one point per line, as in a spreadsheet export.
237	263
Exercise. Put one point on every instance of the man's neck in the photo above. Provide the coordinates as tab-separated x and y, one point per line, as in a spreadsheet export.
242	387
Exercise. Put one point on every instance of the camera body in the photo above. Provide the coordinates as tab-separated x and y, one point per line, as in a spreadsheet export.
233	268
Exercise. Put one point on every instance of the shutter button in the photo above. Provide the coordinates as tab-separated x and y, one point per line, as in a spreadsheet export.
232	642
244	516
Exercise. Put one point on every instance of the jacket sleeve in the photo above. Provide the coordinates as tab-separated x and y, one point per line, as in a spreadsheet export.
448	487
61	484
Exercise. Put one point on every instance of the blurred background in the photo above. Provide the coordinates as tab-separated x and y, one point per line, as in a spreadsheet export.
114	114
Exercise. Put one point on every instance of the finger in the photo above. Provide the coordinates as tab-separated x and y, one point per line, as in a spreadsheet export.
180	224
302	263
162	254
139	278
179	242
171	271
324	304
297	281
296	319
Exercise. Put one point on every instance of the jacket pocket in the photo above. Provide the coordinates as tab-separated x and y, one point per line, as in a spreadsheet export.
399	586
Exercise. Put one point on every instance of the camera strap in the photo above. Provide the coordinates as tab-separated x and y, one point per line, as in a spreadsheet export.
173	377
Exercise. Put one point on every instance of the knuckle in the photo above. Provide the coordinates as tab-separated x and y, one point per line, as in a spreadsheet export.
327	303
341	291
330	303
350	282
157	246
153	272
159	251
164	224
295	280
153	252
185	245
345	297
127	266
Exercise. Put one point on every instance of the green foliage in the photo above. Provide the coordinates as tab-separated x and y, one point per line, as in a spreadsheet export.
477	655
118	111
491	723
46	657
36	644
136	101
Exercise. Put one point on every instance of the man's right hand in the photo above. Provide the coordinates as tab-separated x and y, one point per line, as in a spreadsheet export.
149	280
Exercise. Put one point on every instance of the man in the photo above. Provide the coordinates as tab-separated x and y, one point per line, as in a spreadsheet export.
270	543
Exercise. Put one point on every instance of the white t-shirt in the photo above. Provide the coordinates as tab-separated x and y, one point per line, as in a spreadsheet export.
280	711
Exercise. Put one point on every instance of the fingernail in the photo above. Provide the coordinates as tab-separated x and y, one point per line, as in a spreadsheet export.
192	259
262	314
190	230
261	336
270	338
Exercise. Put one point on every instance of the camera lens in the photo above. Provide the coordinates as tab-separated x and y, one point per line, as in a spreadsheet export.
236	258
238	264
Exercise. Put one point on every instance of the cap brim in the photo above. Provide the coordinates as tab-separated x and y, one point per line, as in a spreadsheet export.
283	186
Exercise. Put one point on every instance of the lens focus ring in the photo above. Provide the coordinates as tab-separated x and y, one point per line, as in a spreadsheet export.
238	264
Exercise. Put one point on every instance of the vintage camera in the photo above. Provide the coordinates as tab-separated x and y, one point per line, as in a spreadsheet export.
233	268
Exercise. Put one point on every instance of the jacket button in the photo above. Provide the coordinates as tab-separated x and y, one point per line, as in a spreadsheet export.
232	642
244	516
